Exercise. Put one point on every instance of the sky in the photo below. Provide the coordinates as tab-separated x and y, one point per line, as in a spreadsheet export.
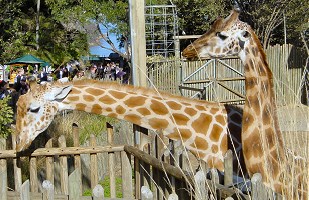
97	50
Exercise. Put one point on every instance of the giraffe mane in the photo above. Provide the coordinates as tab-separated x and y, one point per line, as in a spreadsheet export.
135	89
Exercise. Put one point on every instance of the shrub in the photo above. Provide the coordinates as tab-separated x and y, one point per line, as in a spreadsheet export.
6	117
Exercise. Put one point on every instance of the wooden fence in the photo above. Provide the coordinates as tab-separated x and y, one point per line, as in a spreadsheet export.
153	169
222	79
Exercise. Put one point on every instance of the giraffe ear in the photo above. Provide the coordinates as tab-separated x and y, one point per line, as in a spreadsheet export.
58	92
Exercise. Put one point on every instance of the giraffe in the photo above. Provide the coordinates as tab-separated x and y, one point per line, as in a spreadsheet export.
262	141
204	127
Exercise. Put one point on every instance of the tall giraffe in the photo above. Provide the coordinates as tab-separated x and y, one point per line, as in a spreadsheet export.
204	127
262	141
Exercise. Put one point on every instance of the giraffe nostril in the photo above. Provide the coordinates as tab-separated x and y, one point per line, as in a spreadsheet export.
17	140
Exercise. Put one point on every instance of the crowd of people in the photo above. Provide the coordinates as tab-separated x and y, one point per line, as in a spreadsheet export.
17	83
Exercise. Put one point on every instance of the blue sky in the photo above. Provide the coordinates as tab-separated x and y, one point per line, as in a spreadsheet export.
97	50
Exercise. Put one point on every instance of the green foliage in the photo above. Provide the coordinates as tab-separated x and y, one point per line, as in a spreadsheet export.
106	185
97	18
268	18
18	36
6	117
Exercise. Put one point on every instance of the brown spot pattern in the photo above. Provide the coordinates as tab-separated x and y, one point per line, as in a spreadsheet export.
94	92
73	98
135	119
120	110
133	102
118	95
200	143
158	124
174	105
80	106
190	111
201	124
180	119
215	133
143	111
185	134
88	98
221	120
96	108
158	107
107	100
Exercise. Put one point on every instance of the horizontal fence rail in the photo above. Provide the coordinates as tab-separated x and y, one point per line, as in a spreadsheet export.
155	167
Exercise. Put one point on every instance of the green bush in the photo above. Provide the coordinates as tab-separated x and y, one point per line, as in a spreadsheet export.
6	117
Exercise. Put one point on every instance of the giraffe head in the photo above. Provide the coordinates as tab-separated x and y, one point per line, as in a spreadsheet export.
36	110
226	37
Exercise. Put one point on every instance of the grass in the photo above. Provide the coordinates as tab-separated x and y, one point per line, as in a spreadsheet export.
106	185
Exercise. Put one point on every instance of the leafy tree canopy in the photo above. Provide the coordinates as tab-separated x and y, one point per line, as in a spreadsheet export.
18	22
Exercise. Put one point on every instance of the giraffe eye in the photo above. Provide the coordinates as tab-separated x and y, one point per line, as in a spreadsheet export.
221	36
34	110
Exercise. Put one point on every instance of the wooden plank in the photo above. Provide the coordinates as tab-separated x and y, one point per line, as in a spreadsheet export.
64	174
126	174
98	192
25	191
77	160
33	175
50	164
17	168
228	168
154	162
111	161
48	190
75	185
93	163
62	151
3	172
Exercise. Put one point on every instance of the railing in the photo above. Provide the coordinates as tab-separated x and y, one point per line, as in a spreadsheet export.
155	168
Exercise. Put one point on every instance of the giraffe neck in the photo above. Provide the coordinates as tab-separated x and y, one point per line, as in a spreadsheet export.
202	126
261	138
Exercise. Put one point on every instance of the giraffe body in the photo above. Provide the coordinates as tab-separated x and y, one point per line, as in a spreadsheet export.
262	141
202	126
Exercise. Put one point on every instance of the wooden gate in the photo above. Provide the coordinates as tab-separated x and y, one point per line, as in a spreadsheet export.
219	80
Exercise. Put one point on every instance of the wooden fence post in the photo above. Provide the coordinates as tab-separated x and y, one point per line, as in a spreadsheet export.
75	185
93	163
200	185
3	172
126	172
17	169
259	191
98	192
50	167
228	168
48	190
33	175
111	161
146	193
77	159
64	174
24	191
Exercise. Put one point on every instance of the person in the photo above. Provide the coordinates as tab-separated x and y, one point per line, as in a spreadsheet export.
24	85
4	92
42	76
17	85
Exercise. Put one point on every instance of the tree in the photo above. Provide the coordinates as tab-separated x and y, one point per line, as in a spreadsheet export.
19	34
96	18
270	18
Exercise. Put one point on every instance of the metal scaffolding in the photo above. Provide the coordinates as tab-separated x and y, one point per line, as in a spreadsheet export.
161	30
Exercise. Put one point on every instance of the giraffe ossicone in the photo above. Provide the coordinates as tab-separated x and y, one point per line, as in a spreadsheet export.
262	141
203	127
